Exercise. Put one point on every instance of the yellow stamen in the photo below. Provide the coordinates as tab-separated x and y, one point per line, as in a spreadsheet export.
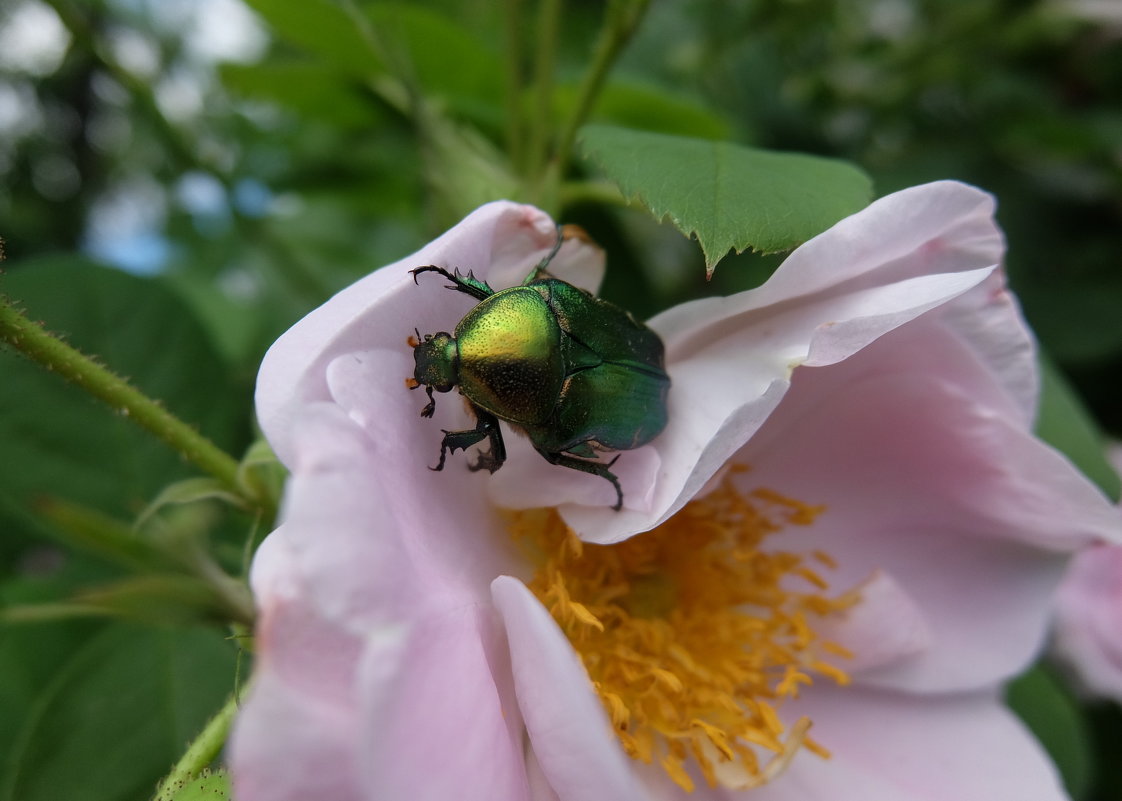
692	634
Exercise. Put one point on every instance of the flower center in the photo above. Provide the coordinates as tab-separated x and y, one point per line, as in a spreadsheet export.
692	635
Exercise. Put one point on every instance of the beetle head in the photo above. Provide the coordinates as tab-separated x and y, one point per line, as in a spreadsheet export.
438	362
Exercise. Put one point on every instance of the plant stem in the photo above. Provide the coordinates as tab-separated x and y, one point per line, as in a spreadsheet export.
623	18
202	751
515	145
596	192
37	343
540	123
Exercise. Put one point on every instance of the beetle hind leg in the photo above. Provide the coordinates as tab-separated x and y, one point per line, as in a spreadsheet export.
587	466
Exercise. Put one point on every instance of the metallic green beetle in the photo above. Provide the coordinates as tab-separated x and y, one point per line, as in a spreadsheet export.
576	373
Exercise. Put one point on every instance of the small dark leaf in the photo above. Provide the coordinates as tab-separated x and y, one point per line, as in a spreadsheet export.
1054	717
1064	424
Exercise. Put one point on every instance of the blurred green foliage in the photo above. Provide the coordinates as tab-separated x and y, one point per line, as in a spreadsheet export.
245	182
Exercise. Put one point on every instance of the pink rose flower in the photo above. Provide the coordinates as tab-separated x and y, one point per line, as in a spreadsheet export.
826	566
1088	635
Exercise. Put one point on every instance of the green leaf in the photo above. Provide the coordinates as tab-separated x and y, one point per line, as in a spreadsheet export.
31	654
86	529
154	599
323	28
1054	717
115	715
261	473
729	196
408	41
312	89
1065	424
446	60
1076	315
62	443
190	490
652	108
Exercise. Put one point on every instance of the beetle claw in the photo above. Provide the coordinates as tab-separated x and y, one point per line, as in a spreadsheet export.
486	461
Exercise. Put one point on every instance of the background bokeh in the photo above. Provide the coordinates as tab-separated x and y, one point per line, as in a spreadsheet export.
180	180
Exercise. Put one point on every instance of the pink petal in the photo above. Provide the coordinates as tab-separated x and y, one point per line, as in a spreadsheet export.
899	748
989	322
962	508
435	724
885	628
364	547
294	735
1089	620
571	736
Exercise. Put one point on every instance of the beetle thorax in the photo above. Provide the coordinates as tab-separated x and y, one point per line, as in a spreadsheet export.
437	361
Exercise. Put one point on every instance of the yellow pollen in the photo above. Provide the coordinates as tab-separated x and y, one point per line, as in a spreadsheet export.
693	635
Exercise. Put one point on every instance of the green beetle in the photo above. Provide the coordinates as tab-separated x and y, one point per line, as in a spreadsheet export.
576	373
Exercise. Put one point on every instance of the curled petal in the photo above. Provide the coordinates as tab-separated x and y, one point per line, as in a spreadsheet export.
1089	620
572	739
731	359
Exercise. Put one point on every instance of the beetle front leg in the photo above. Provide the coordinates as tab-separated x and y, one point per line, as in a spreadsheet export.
468	284
488	426
586	466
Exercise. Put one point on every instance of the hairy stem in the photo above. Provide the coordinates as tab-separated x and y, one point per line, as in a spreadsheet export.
202	750
38	344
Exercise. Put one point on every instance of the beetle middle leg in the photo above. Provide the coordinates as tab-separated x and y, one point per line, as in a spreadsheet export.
587	466
487	426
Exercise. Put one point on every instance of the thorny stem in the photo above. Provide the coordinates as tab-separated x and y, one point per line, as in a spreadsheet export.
37	343
202	750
